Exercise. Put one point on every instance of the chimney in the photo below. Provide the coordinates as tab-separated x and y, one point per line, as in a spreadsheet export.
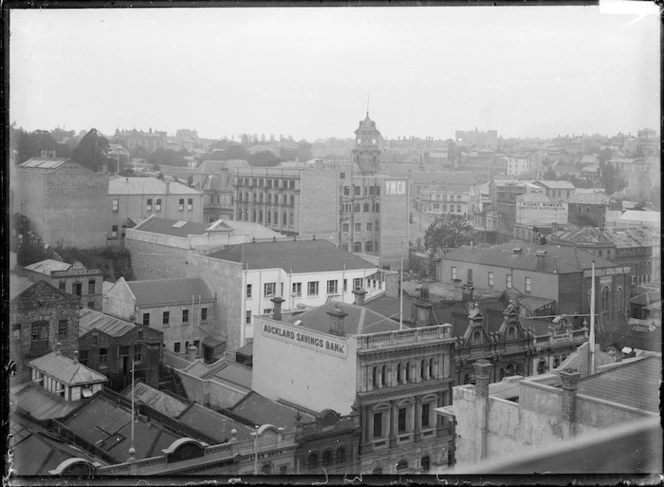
482	379
359	296
337	316
168	187
75	356
570	380
467	292
422	307
57	348
191	353
541	255
277	308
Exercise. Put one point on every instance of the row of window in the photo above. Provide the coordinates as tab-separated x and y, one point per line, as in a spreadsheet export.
39	330
177	346
102	355
379	375
243	214
345	227
439	207
166	317
404	420
528	282
258	198
155	204
328	458
360	207
357	247
270	288
77	287
267	182
358	190
437	197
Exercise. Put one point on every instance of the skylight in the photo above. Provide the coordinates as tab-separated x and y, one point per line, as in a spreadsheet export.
179	224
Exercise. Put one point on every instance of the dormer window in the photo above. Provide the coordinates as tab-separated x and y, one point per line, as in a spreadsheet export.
477	336
511	332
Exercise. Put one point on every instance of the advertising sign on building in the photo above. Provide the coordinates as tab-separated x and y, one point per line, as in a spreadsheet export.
396	187
540	212
305	339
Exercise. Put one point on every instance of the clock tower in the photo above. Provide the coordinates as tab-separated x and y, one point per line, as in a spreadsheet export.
367	152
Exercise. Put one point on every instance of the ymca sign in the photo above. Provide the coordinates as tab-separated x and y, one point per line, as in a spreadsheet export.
395	188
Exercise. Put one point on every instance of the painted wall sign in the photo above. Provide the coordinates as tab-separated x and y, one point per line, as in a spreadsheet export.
395	188
305	340
608	271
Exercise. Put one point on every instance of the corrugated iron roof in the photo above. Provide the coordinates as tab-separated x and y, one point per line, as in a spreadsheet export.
261	410
90	319
146	186
48	265
234	373
65	370
161	401
214	424
164	226
40	403
555	184
44	163
169	291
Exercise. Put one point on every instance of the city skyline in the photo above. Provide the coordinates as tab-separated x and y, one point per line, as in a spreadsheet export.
525	72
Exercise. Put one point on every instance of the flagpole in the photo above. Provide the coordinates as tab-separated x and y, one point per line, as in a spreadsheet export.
401	292
591	363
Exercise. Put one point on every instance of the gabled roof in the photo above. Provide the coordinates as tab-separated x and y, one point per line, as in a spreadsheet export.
170	291
233	372
40	403
622	238
48	265
555	184
648	298
213	424
89	319
29	292
65	370
635	384
167	226
18	284
165	403
359	320
261	410
147	186
296	256
641	216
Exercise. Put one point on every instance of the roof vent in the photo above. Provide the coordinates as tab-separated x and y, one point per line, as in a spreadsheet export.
517	250
298	323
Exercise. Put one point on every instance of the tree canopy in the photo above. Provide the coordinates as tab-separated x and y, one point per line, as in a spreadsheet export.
92	151
167	157
448	231
30	144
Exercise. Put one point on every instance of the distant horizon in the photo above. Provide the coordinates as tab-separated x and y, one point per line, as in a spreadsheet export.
314	72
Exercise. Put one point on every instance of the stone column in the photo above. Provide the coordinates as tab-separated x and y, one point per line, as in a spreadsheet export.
379	376
482	370
417	411
394	424
570	381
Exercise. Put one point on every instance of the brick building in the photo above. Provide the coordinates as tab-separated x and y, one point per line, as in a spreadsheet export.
64	201
588	209
504	195
74	279
106	344
41	317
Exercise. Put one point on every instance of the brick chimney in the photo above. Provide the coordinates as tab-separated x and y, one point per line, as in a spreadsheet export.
541	255
422	307
337	316
570	380
359	296
75	356
467	292
276	315
482	378
57	348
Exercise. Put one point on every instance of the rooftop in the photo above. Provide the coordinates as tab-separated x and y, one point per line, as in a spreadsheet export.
211	166
40	403
555	184
598	198
170	291
232	372
44	163
18	284
260	410
46	266
292	256
166	226
359	320
65	370
620	237
213	424
165	403
89	319
146	186
641	216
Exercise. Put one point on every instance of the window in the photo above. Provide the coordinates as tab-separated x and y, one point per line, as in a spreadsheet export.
62	329
204	314
366	207
605	299
103	356
123	351
312	461
407	372
146	319
341	455
116	206
149	204
181	204
356	190
508	281
332	287
368	246
83	357
138	355
176	347
260	216
297	289
166	317
426	415
357	283
470	275
276	218
291	184
528	285
268	289
358	227
91	286
345	227
377	208
292	200
357	247
284	220
95	339
490	279
185	316
269	216
378	425
114	231
247	318
62	285
345	285
190	204
425	463
356	207
327	458
369	227
312	288
16	330
454	273
248	291
402	419
157	204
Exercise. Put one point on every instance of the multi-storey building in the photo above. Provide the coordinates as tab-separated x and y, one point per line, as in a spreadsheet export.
74	279
556	190
446	201
535	216
132	200
64	201
359	360
150	140
488	138
216	179
503	202
588	209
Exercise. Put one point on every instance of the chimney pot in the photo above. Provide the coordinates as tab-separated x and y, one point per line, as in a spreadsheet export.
337	316
76	356
57	348
359	296
277	308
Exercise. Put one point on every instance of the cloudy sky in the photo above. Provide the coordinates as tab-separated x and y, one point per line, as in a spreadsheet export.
524	71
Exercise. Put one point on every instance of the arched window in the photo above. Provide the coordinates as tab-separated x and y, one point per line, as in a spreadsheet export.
605	299
398	373
466	379
383	377
519	369
267	469
541	366
425	463
407	371
312	461
620	300
477	336
373	377
422	370
377	471
341	455
510	370
327	458
402	465
511	332
431	368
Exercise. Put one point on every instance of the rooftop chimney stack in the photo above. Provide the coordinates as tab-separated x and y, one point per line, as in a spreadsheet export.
337	316
57	348
359	296
75	356
541	255
277	308
467	292
570	380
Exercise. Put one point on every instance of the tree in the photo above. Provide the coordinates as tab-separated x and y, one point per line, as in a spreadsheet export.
263	159
91	151
235	151
448	231
166	157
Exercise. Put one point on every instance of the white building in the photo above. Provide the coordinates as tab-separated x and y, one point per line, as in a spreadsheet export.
518	165
445	202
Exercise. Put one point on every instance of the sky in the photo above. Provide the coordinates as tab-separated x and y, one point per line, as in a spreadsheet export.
311	72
